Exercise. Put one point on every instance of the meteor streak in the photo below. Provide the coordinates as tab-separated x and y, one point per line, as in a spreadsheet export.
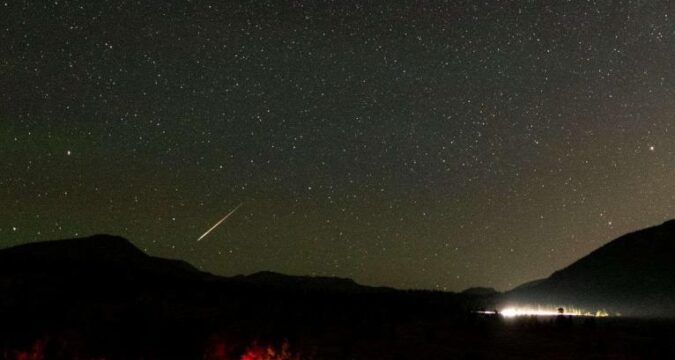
219	222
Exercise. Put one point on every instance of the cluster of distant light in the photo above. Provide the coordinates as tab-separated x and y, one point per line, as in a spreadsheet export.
511	312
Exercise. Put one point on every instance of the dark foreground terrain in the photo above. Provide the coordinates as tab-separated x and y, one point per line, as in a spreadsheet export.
403	337
101	298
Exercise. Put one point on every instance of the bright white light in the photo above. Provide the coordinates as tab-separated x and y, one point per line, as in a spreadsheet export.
487	312
512	312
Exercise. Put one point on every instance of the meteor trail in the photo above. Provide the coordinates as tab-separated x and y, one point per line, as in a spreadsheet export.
219	222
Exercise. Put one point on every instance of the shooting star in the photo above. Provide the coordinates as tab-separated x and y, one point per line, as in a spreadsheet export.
219	222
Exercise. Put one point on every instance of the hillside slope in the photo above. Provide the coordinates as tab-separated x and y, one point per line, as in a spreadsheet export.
632	275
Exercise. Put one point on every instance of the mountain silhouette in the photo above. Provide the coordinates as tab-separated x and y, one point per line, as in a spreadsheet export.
632	275
480	291
98	255
113	265
273	280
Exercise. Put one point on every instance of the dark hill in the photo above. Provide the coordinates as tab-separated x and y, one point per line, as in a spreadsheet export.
50	281
274	280
632	275
480	291
99	255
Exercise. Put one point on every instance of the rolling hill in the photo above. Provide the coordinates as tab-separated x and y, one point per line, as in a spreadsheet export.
631	275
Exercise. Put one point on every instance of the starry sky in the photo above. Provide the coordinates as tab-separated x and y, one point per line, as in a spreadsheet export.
414	144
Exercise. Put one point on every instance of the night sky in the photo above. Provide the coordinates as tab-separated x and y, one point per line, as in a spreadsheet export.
427	144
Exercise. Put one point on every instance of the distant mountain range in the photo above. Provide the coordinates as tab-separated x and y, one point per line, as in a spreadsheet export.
632	275
110	264
273	280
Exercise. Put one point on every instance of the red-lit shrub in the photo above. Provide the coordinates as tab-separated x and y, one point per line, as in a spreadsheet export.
257	352
219	349
36	352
